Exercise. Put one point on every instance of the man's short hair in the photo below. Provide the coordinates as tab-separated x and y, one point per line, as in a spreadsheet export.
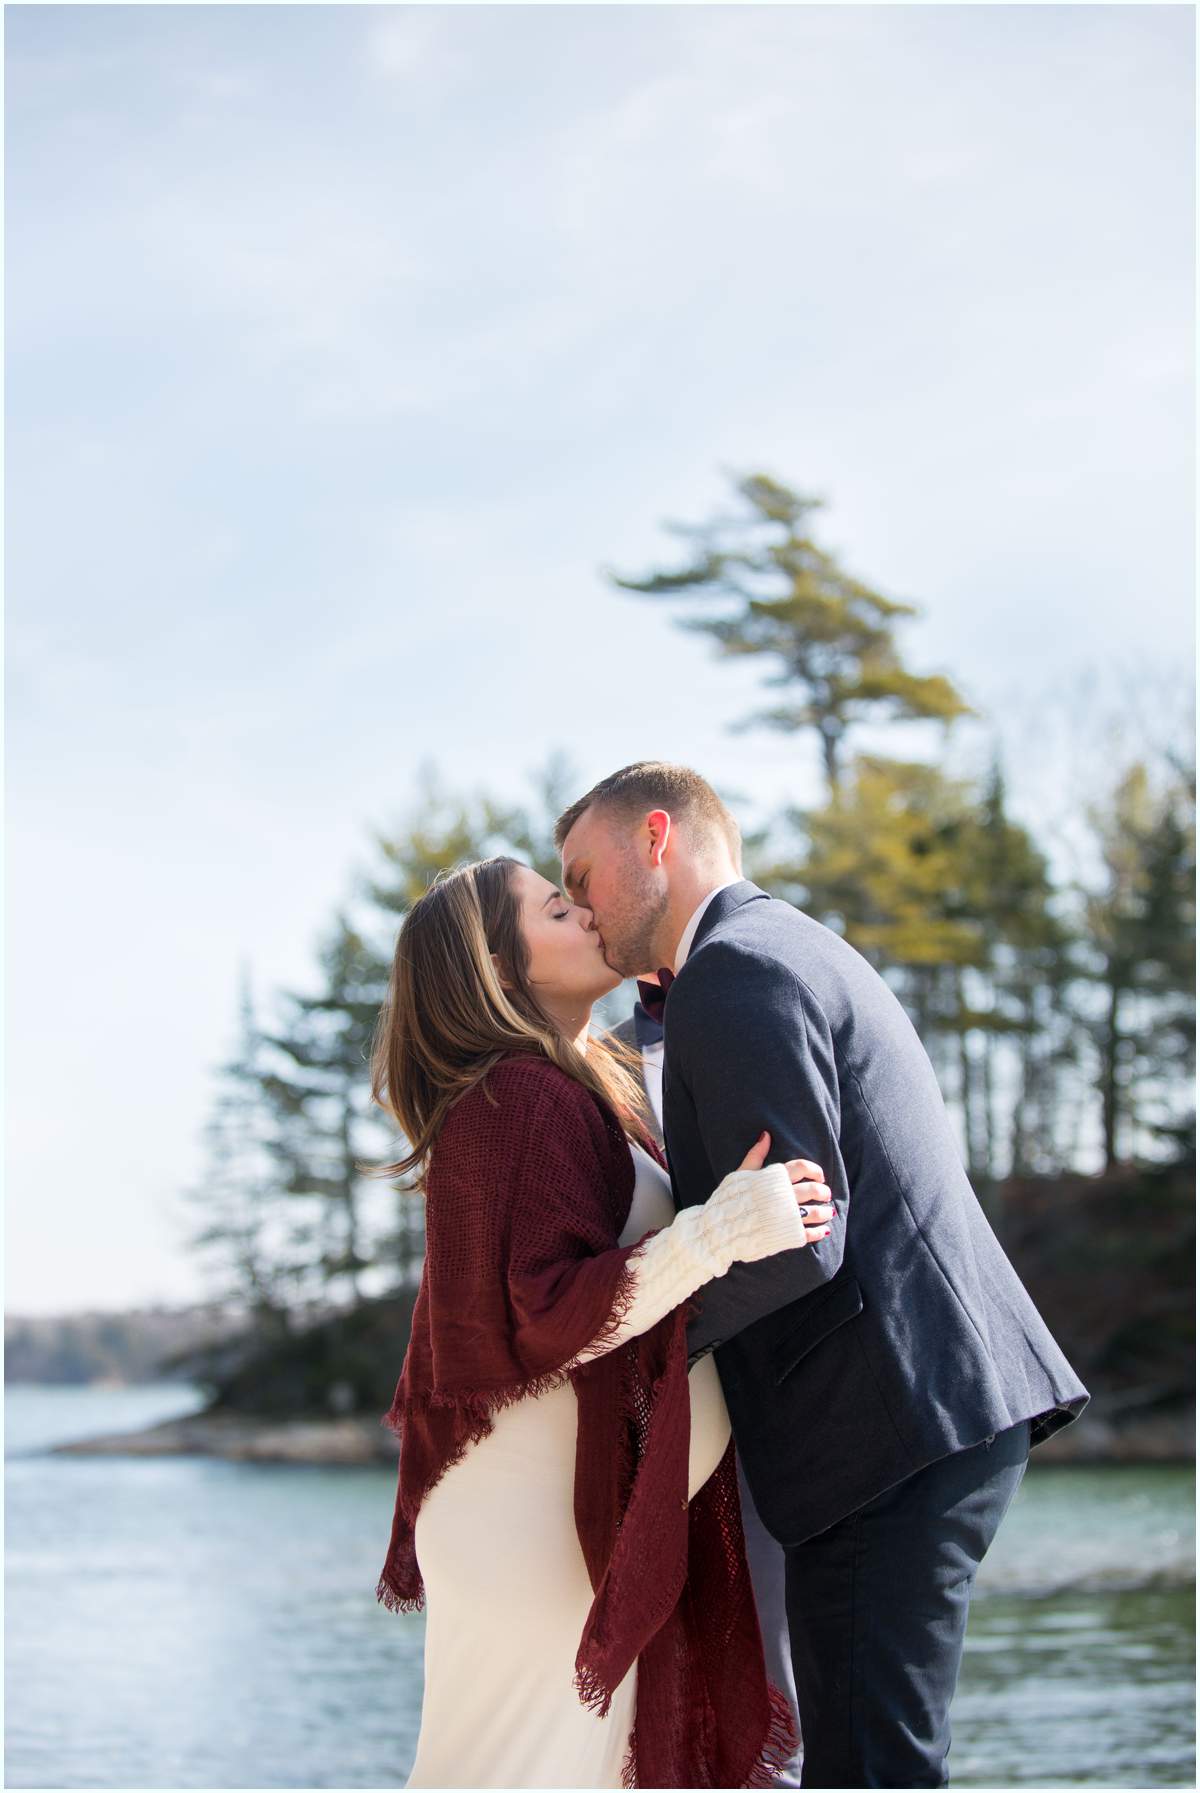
629	794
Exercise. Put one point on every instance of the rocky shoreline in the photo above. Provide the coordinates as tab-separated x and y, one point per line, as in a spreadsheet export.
1096	1438
247	1438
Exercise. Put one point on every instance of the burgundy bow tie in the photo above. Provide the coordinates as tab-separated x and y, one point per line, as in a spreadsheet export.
654	996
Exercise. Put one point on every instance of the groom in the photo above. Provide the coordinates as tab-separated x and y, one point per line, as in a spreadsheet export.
885	1385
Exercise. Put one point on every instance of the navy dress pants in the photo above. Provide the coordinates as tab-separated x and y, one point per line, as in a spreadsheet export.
877	1615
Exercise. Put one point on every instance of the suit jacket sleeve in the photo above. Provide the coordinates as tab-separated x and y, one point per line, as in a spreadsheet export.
750	1048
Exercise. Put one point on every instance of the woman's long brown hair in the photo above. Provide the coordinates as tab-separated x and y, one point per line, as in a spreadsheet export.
447	1018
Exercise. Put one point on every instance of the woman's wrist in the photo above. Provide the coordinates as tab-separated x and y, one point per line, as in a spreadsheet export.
753	1214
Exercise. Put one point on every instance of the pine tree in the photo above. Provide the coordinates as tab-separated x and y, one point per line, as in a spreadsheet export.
952	902
831	636
316	1086
1169	964
1140	921
441	830
239	1234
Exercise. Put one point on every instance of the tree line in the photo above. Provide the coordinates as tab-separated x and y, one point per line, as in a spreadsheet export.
1057	1006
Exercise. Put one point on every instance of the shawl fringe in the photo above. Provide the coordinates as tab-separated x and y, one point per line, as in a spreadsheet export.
480	1403
629	1765
774	1752
395	1602
779	1744
593	1693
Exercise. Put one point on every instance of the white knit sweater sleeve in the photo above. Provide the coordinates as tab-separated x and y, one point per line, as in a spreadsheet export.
751	1214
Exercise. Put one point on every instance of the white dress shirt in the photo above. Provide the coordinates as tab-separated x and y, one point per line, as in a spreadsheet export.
652	1073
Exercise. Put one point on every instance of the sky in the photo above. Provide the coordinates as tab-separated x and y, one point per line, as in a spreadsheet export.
349	346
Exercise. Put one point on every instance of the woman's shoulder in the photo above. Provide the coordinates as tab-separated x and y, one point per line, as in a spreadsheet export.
532	1077
526	1068
525	1113
517	1091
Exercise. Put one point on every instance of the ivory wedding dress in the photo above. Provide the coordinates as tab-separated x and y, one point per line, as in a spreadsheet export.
507	1590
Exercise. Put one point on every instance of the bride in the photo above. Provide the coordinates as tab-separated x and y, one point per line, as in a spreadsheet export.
567	1497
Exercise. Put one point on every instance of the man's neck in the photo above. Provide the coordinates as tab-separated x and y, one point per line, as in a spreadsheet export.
684	903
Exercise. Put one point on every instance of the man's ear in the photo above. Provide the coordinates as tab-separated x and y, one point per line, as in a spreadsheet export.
659	824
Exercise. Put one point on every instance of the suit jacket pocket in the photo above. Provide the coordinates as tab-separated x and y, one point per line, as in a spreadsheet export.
837	1303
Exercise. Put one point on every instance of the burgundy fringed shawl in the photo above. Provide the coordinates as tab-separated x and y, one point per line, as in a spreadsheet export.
525	1205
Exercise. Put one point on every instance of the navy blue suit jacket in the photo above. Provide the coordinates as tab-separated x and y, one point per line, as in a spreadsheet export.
848	1364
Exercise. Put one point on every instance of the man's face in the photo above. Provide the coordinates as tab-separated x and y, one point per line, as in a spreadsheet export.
607	868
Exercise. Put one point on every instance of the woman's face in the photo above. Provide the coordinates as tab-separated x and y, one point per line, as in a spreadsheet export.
566	963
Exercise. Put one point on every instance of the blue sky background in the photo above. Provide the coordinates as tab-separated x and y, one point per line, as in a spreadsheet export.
348	344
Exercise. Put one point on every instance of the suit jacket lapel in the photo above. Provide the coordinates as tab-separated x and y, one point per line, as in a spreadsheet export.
723	904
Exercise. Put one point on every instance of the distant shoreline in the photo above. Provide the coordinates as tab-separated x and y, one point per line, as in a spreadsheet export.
1150	1438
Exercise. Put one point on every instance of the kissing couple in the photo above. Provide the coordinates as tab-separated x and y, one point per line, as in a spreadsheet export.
795	1321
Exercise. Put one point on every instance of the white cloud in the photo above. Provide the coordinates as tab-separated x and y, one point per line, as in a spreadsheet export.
404	44
937	164
751	144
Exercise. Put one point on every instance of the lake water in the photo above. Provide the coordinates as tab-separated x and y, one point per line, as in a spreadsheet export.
187	1622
